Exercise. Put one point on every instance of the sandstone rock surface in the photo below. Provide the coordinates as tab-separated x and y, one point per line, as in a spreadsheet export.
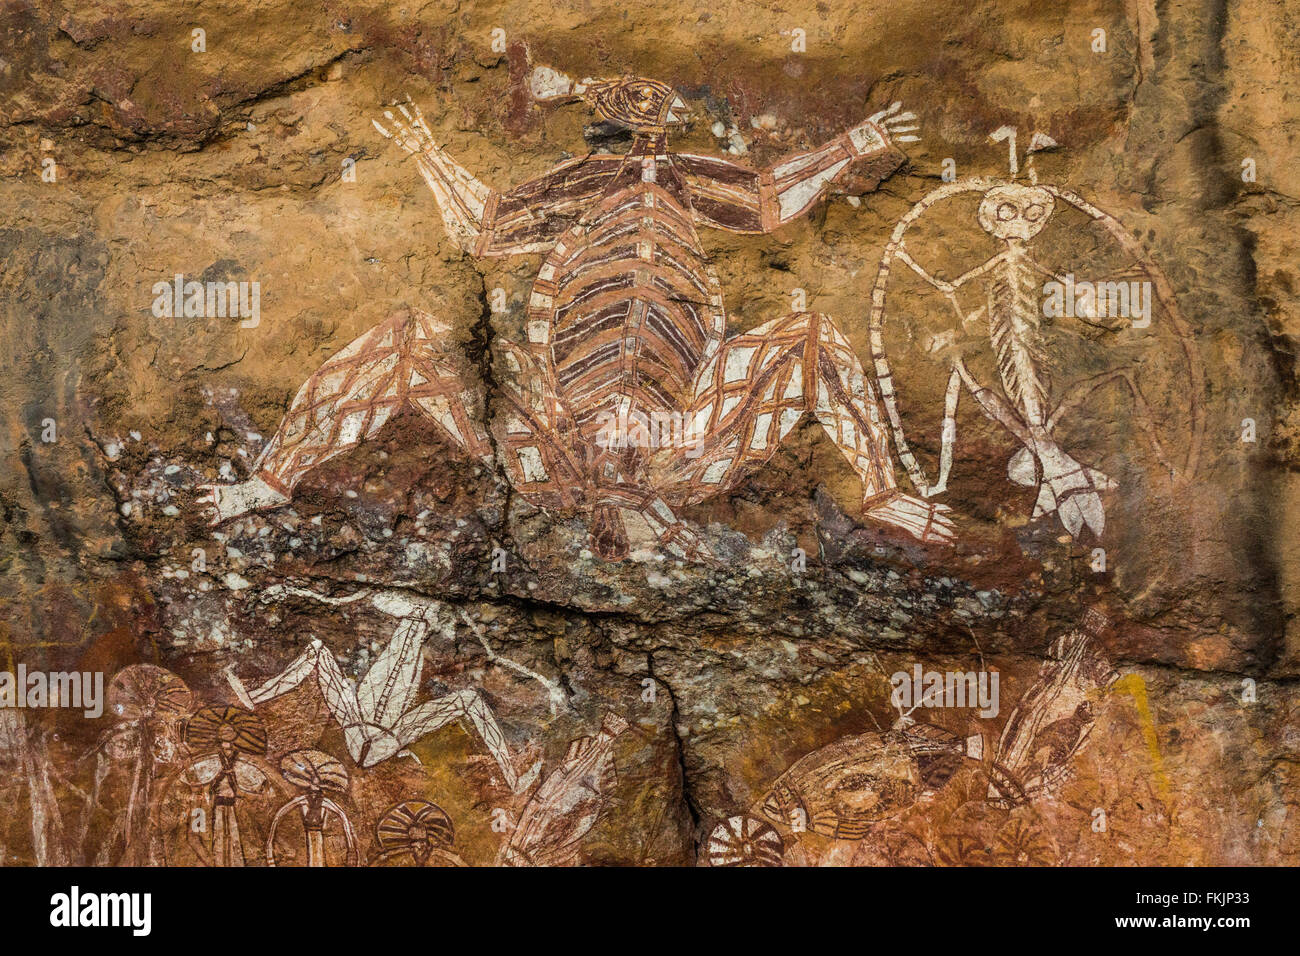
658	709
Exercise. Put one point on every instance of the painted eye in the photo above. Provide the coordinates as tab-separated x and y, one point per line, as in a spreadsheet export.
646	91
1006	211
643	105
1035	212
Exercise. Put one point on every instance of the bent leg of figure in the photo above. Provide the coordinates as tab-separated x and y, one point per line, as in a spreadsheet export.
1066	486
435	714
390	685
298	670
397	364
756	390
340	696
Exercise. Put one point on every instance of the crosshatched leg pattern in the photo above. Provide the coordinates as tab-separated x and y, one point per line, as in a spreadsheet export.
402	363
756	389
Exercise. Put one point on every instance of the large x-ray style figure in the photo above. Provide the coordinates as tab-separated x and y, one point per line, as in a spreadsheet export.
625	324
378	714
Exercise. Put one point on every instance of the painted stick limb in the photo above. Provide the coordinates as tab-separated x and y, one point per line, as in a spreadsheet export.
1182	329
394	602
995	407
433	715
948	288
554	691
275	591
940	284
1080	392
949	434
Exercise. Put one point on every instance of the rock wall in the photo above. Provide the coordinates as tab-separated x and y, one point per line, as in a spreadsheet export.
573	686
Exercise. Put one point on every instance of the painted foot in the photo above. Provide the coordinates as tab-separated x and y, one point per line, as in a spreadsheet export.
608	534
924	520
1073	491
1077	508
220	503
684	543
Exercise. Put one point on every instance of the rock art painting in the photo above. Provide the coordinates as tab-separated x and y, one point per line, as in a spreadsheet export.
625	325
1013	309
532	436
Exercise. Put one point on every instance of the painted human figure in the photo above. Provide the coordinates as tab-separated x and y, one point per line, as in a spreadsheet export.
625	324
225	738
1014	213
1002	296
379	714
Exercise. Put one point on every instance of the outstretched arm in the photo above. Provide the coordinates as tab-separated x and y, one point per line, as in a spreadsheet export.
462	199
394	602
947	288
484	222
730	196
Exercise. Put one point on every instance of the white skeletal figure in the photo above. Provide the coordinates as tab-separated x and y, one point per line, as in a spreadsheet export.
378	714
1013	213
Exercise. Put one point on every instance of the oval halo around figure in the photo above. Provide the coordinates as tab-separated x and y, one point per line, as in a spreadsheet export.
1046	315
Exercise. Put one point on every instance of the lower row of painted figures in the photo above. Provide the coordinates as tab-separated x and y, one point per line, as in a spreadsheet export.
189	783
